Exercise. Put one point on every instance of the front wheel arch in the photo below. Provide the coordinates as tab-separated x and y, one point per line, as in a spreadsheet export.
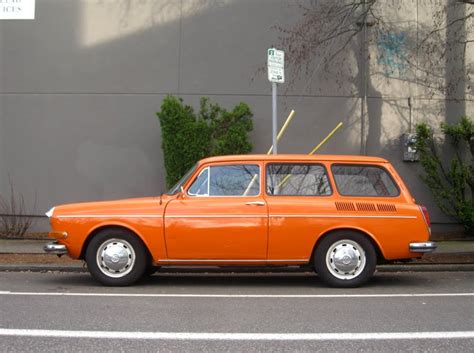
99	229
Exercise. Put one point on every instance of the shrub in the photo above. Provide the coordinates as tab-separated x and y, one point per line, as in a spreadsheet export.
452	183
15	220
188	137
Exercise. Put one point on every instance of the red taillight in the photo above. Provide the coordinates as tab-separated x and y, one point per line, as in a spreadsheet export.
426	216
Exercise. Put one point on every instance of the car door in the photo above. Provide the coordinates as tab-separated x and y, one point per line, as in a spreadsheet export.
221	216
299	207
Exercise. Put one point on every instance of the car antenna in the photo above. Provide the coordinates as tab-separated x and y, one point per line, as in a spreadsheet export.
161	197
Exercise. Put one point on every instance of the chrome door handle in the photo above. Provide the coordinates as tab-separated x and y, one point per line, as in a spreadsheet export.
256	203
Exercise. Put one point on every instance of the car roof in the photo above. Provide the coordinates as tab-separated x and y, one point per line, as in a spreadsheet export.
294	157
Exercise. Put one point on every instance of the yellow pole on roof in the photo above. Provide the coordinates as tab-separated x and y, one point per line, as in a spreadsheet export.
283	128
285	179
280	134
326	139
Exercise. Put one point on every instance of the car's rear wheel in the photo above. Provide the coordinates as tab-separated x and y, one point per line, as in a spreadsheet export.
345	259
116	257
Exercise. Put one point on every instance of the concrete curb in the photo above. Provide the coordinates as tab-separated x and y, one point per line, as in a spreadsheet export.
426	268
79	268
41	268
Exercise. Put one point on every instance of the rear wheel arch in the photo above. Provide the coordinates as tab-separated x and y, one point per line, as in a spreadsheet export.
370	237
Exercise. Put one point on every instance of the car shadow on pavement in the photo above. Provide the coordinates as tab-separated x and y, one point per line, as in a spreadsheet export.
243	280
234	280
272	281
399	280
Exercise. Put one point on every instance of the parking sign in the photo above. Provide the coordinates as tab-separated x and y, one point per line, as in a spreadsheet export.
276	65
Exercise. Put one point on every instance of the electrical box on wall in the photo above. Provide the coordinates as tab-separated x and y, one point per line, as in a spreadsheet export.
410	153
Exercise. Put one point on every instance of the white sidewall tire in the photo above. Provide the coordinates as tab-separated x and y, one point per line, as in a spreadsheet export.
343	268
118	244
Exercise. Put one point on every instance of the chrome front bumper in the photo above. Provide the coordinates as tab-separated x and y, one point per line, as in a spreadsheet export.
424	247
55	248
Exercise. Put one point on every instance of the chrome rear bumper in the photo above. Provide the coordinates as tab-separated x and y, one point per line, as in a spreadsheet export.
55	248
423	247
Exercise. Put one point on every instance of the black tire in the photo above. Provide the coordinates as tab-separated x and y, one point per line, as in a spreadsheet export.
345	259
116	257
151	270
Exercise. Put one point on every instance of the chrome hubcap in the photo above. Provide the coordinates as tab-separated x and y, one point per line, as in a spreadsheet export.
115	258
345	259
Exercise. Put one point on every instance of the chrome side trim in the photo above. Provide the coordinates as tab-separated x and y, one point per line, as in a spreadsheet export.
289	216
55	248
239	216
424	247
236	260
110	216
338	216
220	216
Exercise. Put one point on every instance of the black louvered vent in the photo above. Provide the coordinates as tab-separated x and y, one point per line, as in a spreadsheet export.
365	207
345	206
386	207
368	207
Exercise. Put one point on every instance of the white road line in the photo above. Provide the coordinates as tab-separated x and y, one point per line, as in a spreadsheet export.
214	336
190	295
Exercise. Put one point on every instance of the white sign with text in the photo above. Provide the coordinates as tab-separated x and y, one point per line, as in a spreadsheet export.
276	65
17	9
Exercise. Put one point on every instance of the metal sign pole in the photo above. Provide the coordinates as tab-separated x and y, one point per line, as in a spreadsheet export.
274	118
276	74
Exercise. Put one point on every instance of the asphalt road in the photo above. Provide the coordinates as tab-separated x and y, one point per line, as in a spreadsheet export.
409	311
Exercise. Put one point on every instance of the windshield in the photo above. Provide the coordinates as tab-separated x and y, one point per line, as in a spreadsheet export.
182	181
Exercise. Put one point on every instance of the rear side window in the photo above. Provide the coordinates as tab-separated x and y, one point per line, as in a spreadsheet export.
297	179
363	180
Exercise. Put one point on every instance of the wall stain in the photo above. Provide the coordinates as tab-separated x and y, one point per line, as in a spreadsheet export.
392	53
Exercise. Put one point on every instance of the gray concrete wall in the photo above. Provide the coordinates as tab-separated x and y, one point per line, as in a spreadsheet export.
80	86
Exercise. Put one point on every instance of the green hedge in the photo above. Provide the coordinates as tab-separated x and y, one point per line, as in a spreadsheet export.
451	181
188	136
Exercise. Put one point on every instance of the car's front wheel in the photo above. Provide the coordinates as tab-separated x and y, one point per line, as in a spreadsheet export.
116	257
345	259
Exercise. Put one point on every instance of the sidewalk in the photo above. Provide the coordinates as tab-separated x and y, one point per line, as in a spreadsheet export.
28	255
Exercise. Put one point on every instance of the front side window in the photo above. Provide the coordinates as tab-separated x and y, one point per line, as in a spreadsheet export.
363	180
227	180
297	179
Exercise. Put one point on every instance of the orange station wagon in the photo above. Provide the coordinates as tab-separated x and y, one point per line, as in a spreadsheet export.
340	215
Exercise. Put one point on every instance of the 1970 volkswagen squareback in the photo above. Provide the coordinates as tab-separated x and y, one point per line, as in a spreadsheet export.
340	215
